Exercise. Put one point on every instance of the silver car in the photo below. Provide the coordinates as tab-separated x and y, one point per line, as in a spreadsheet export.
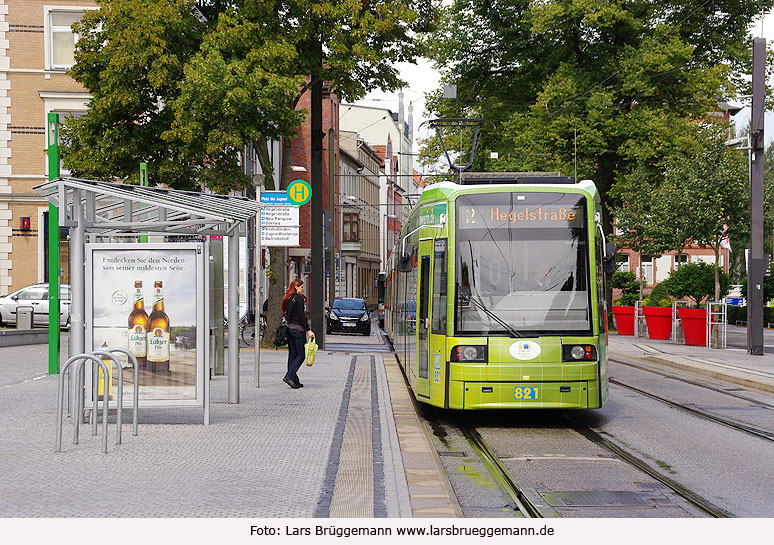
35	296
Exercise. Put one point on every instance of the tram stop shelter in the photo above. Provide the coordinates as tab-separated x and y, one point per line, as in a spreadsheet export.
118	210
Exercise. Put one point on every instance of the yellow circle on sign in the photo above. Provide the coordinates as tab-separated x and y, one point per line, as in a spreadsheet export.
299	192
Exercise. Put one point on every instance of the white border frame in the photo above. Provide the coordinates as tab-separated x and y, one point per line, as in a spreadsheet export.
202	322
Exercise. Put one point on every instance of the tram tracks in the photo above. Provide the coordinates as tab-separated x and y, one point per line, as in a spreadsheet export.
528	496
688	495
531	504
528	504
738	425
725	421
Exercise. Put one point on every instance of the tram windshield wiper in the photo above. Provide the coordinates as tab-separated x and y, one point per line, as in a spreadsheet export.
479	305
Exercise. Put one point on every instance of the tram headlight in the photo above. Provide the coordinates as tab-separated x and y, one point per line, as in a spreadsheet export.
468	353
579	352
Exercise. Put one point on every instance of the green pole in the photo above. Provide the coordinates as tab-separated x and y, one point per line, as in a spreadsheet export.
144	183
53	250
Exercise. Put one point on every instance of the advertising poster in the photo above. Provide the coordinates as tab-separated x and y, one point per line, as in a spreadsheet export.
149	300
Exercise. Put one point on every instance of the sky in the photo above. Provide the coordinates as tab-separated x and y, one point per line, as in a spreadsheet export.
422	78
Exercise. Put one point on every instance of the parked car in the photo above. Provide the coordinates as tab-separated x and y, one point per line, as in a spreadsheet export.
35	296
349	315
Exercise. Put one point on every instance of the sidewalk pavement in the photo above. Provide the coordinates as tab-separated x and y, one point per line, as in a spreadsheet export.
731	365
348	444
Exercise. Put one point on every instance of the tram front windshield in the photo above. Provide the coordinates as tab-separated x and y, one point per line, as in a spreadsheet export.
522	264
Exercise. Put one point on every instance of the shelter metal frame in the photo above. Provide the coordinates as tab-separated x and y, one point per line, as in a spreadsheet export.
113	209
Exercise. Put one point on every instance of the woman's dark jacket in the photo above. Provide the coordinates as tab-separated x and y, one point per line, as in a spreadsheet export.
295	313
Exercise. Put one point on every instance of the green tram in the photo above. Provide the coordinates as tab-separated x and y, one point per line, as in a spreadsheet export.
495	297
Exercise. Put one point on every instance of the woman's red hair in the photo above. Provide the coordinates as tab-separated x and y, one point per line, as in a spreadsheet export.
288	294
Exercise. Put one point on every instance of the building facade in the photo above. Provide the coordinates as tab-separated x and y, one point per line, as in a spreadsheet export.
37	48
359	202
391	135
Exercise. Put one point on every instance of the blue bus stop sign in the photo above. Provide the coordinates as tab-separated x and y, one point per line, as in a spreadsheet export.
299	192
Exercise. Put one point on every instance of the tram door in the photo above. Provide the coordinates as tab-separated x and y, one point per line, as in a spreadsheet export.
423	317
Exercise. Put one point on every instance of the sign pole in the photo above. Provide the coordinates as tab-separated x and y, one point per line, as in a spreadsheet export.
257	290
757	262
332	212
317	277
53	249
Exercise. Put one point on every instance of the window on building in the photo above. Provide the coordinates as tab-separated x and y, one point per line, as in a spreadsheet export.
61	37
623	262
680	260
349	231
647	268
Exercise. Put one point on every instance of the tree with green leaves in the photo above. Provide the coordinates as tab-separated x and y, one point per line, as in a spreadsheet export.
638	225
183	85
711	185
697	281
628	77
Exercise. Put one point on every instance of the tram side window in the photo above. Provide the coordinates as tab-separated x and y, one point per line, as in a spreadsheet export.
439	287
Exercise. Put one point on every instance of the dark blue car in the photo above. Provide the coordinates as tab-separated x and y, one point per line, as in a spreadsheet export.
349	315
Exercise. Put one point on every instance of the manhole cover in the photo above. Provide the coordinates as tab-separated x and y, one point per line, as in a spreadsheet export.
597	498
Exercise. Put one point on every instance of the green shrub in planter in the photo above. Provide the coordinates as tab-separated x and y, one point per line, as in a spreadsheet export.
630	288
697	282
659	296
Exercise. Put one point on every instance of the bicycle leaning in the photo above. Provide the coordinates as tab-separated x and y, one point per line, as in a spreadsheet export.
247	328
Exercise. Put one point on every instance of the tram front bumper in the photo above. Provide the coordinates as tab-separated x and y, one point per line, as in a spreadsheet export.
525	395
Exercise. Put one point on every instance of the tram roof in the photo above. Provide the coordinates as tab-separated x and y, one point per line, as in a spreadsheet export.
444	190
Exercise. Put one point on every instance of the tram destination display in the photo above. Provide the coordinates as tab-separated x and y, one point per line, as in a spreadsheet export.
517	214
148	299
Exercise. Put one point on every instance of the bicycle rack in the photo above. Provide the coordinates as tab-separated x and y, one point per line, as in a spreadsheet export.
722	322
676	325
132	360
79	401
81	358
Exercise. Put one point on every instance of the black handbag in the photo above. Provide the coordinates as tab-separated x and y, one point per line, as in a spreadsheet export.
281	336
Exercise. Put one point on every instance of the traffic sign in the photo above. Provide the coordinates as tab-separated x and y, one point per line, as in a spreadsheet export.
280	216
299	192
279	236
275	198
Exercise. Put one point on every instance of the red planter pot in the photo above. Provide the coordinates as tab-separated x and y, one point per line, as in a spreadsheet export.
659	320
694	322
624	320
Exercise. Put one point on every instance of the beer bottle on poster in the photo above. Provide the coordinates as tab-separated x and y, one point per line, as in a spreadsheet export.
138	326
158	332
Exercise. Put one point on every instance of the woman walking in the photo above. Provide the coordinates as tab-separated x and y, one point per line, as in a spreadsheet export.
292	306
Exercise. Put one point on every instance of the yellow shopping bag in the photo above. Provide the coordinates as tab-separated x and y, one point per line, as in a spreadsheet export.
311	351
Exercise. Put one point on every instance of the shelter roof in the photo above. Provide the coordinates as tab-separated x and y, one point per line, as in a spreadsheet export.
116	207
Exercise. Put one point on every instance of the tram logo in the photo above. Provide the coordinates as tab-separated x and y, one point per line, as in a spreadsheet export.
524	350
